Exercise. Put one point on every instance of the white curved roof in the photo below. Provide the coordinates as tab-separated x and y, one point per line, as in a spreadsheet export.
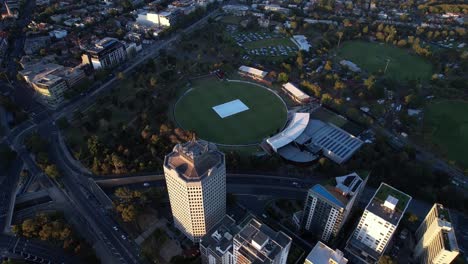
295	128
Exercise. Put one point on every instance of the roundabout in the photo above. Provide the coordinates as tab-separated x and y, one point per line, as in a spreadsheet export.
230	112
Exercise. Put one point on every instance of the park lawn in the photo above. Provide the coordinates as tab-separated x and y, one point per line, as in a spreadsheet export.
372	57
262	43
266	114
446	124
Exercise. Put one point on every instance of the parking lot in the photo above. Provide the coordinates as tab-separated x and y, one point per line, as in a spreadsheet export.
263	43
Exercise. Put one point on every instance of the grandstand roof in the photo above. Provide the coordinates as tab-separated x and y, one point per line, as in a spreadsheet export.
253	71
294	129
296	92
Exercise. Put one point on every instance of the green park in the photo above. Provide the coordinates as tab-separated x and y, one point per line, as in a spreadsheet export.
373	57
446	126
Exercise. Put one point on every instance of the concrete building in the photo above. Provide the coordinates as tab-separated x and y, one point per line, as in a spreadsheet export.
327	208
216	247
258	243
322	254
51	81
436	241
195	175
377	225
106	53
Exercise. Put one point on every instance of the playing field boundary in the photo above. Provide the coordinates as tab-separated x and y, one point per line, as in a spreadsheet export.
235	81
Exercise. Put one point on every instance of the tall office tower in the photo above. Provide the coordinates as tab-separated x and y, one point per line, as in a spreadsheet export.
216	246
322	254
258	243
436	242
377	225
327	207
195	175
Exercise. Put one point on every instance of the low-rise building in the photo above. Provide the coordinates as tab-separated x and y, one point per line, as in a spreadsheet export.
252	73
322	254
58	33
51	81
106	53
237	10
301	42
295	93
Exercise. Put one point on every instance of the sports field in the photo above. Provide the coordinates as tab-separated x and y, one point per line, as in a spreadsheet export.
447	125
372	57
265	116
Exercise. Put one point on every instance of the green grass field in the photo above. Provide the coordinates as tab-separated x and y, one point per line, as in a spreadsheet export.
266	114
269	42
372	57
447	125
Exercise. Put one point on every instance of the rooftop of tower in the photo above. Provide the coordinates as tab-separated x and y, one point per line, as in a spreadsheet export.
194	160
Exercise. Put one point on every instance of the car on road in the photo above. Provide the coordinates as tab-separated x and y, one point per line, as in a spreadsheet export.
115	228
123	237
146	184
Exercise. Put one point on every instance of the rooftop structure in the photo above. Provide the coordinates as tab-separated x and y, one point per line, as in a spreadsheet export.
377	225
436	241
303	139
194	160
350	65
238	10
258	243
294	129
322	254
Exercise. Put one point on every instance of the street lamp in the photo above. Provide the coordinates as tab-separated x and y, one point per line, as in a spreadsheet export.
386	66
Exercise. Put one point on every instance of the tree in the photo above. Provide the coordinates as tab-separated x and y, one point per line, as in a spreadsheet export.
369	82
386	260
153	81
52	171
326	98
328	66
121	75
283	77
339	85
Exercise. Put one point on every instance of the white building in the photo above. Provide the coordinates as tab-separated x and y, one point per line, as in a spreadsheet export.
327	208
195	175
301	42
237	10
58	33
295	93
436	241
258	243
216	247
155	19
252	73
377	225
106	53
322	254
